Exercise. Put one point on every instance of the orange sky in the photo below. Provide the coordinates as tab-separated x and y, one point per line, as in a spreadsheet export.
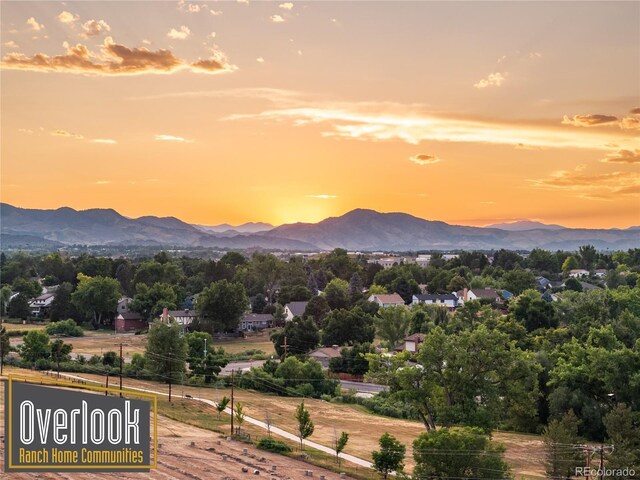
471	113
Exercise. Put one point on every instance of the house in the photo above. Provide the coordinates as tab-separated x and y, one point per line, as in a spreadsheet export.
490	294
183	317
543	283
586	287
600	272
123	304
411	343
423	260
386	262
325	354
189	302
385	301
578	272
506	295
448	300
40	305
130	321
294	309
252	322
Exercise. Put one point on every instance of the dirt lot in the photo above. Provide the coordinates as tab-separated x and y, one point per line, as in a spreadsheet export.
190	453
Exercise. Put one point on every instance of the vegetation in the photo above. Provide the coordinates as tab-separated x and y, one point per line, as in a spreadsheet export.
390	457
305	425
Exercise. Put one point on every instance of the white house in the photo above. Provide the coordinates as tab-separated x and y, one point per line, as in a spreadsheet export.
183	317
600	272
411	343
448	300
40	305
478	294
578	272
294	309
123	304
387	300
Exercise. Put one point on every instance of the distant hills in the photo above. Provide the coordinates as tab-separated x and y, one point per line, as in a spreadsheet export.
360	229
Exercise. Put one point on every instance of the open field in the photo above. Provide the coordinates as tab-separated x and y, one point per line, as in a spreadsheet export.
254	341
191	453
524	452
20	326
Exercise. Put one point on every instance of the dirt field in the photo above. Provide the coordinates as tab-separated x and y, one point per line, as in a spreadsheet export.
190	453
524	452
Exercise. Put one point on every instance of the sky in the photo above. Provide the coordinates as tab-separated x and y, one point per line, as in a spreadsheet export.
471	113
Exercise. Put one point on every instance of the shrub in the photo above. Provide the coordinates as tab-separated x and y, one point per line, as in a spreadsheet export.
273	445
43	364
65	327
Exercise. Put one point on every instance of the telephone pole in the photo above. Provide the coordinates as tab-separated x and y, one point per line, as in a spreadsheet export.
170	374
589	451
285	347
232	381
106	386
121	361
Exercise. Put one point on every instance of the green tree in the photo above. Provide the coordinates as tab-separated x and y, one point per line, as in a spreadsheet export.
458	452
96	297
305	425
19	307
239	414
392	324
352	360
28	288
518	280
559	438
60	351
221	306
570	263
222	405
302	337
166	351
348	327
150	301
355	288
588	256
573	284
340	444
390	457
35	346
533	312
5	296
318	308
507	259
337	294
5	343
61	307
623	431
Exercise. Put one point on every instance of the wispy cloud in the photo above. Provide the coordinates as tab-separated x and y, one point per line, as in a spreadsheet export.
11	44
103	182
276	18
172	138
635	111
33	23
591	120
65	133
630	123
322	196
180	34
106	141
623	156
260	60
286	6
215	13
115	59
492	80
424	159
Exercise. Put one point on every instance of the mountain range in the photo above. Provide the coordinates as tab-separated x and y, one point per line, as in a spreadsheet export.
360	229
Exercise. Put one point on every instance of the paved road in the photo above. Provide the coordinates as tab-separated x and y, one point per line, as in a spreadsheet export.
362	387
253	421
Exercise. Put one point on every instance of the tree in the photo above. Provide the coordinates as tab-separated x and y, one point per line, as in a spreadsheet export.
573	284
221	306
458	452
239	414
392	324
61	307
588	256
533	312
60	351
352	360
209	366
559	438
347	327
302	337
507	259
5	296
28	288
337	294
623	431
150	301
518	280
35	346
355	288
19	307
340	444
390	458
305	425
5	343
166	351
96	296
318	308
570	263
222	405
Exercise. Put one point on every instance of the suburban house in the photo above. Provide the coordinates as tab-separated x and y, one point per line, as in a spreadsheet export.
294	309
448	300
543	283
411	343
123	304
325	354
387	300
130	321
183	317
189	302
586	287
490	294
600	272
252	322
423	260
386	262
578	272
40	305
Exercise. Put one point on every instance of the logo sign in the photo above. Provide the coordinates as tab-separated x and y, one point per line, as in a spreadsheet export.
53	429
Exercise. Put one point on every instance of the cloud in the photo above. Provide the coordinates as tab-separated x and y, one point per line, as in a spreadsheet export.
106	141
635	111
260	60
181	34
68	17
286	6
33	23
146	42
535	55
276	19
599	186
172	138
623	156
215	13
103	182
115	59
493	80
589	120
64	133
424	159
94	28
322	196
11	44
630	123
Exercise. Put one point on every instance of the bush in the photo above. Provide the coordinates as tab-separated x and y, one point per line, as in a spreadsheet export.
65	327
273	445
17	333
43	364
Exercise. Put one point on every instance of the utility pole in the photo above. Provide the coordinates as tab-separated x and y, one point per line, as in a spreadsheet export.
205	348
285	347
106	386
589	451
232	381
121	361
1	355
170	374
